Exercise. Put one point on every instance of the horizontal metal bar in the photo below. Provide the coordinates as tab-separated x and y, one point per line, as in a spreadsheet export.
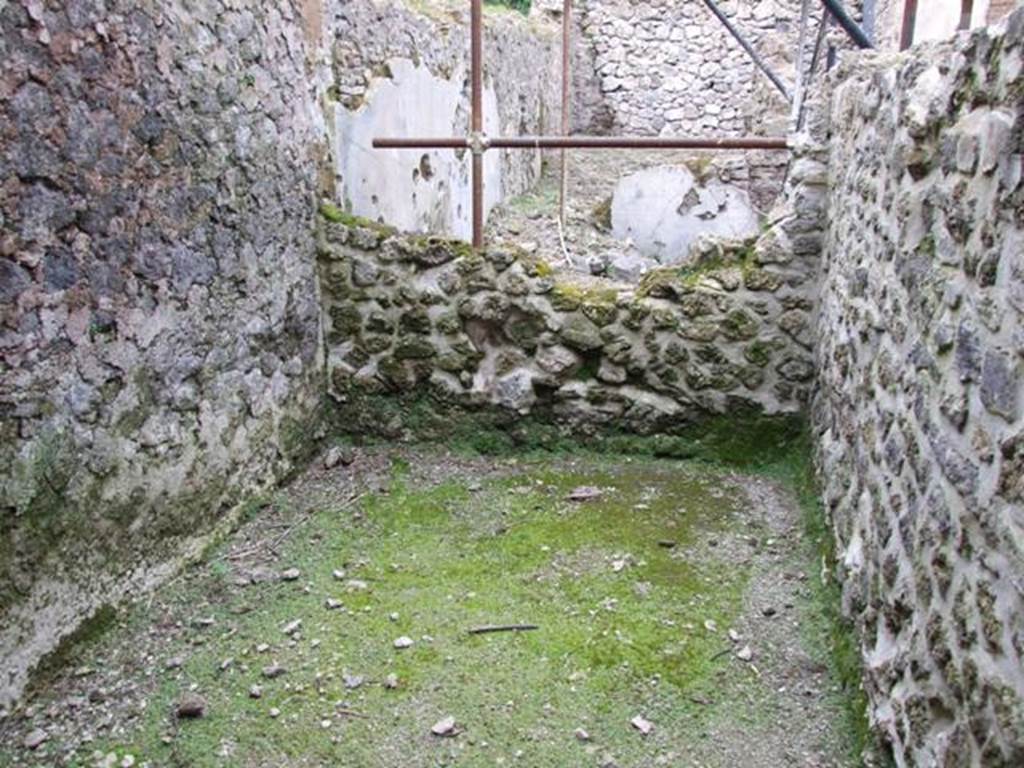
436	143
591	142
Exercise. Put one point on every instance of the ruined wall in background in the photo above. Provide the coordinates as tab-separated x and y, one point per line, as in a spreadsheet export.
671	68
403	70
159	324
919	410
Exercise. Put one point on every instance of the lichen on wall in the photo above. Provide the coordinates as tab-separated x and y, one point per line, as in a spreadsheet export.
921	389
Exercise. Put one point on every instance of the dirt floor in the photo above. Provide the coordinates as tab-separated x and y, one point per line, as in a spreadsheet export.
678	610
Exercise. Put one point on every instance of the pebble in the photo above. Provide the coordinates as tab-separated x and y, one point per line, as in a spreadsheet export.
745	653
255	692
444	727
332	605
292	574
584	493
338	575
175	663
35	739
391	681
339	455
582	735
403	642
273	671
292	627
352	681
191	706
275	712
642	724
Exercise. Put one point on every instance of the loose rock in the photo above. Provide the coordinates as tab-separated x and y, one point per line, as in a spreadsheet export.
36	739
191	706
444	727
642	724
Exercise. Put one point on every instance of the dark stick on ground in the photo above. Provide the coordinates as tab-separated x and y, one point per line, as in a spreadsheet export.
503	628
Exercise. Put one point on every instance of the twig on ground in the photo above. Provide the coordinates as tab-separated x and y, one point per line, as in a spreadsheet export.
349	713
503	628
720	654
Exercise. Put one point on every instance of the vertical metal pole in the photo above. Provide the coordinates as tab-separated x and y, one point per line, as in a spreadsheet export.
566	124
477	118
798	91
819	41
909	22
966	11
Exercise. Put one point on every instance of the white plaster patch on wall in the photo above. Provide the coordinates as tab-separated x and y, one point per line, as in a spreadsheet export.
413	190
663	210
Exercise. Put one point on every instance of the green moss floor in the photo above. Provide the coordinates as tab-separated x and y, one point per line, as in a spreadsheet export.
679	595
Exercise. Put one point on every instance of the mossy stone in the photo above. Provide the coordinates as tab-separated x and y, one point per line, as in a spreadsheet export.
435	251
449	323
580	333
525	330
346	321
739	325
759	353
414	348
415	320
600	314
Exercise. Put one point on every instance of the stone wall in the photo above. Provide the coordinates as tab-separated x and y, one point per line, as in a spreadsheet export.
402	70
405	314
159	328
919	408
672	68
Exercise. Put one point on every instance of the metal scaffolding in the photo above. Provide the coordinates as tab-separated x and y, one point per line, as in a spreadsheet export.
479	142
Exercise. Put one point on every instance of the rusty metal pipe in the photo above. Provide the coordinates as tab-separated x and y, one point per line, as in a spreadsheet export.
590	142
563	192
476	34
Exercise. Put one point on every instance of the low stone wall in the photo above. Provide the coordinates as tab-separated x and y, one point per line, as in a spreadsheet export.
502	329
919	407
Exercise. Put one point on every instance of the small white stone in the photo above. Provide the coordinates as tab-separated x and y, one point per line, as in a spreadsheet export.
444	727
642	724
